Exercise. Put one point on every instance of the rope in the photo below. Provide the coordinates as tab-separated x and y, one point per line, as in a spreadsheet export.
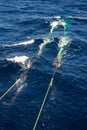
16	82
3	95
59	57
44	100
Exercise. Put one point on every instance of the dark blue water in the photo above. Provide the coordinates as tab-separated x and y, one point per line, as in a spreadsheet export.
66	106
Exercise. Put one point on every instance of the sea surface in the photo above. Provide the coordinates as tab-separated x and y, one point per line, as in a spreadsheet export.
24	24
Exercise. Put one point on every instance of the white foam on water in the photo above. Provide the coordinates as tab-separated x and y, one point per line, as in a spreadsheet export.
55	24
64	41
18	59
57	17
80	18
42	45
20	86
25	43
21	60
20	89
51	17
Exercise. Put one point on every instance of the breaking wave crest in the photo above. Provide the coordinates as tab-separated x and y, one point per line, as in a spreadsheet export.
78	18
23	61
25	43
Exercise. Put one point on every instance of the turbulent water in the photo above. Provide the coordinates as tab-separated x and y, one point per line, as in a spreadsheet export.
24	29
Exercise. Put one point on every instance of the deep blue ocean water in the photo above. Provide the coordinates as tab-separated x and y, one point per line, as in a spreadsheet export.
66	105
